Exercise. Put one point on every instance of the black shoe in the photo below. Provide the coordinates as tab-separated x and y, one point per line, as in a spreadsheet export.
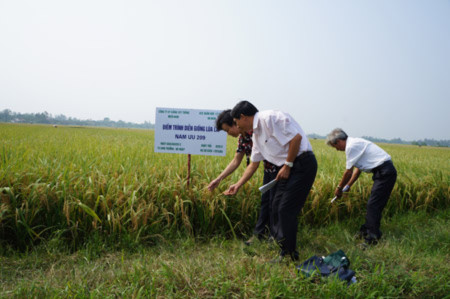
294	256
371	240
362	233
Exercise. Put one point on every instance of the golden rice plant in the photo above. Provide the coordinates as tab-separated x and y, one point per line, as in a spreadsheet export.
79	180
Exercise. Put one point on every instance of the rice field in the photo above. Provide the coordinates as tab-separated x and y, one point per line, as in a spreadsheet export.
69	182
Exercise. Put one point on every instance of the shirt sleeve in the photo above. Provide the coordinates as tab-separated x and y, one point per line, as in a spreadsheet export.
354	154
283	129
256	155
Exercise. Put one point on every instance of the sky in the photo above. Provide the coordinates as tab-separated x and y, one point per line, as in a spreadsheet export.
374	68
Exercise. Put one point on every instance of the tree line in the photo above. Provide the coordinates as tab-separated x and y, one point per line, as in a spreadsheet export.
424	142
47	118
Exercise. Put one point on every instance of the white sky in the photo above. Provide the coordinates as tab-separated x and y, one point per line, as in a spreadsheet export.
375	68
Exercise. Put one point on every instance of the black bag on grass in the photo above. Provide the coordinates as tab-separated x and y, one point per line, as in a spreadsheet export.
336	263
337	260
314	265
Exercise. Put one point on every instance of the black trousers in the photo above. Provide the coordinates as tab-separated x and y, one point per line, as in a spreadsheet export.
384	177
263	226
289	199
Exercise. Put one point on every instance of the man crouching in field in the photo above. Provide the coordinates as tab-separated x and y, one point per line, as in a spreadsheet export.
363	155
225	122
279	139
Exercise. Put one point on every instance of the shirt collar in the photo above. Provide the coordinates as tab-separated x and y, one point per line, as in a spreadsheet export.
255	121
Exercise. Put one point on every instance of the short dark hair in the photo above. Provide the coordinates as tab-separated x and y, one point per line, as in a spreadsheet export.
243	107
224	118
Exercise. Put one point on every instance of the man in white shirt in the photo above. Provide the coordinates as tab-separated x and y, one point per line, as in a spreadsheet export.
363	155
279	139
225	122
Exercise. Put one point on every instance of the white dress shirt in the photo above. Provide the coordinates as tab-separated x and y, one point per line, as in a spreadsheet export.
272	132
364	154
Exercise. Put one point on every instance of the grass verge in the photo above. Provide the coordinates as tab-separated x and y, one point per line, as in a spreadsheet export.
411	261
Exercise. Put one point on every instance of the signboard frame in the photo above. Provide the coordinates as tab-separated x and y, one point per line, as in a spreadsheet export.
188	131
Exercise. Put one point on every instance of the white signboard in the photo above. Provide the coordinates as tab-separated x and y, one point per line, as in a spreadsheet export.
188	131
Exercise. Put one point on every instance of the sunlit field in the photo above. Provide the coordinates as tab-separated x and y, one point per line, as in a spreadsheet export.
95	213
69	182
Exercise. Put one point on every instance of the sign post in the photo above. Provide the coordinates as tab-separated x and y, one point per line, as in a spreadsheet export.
189	170
188	131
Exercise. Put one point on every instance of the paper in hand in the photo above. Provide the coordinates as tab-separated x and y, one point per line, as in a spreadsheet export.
267	186
346	188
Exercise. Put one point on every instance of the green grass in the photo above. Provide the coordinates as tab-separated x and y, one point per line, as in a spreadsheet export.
91	212
411	261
